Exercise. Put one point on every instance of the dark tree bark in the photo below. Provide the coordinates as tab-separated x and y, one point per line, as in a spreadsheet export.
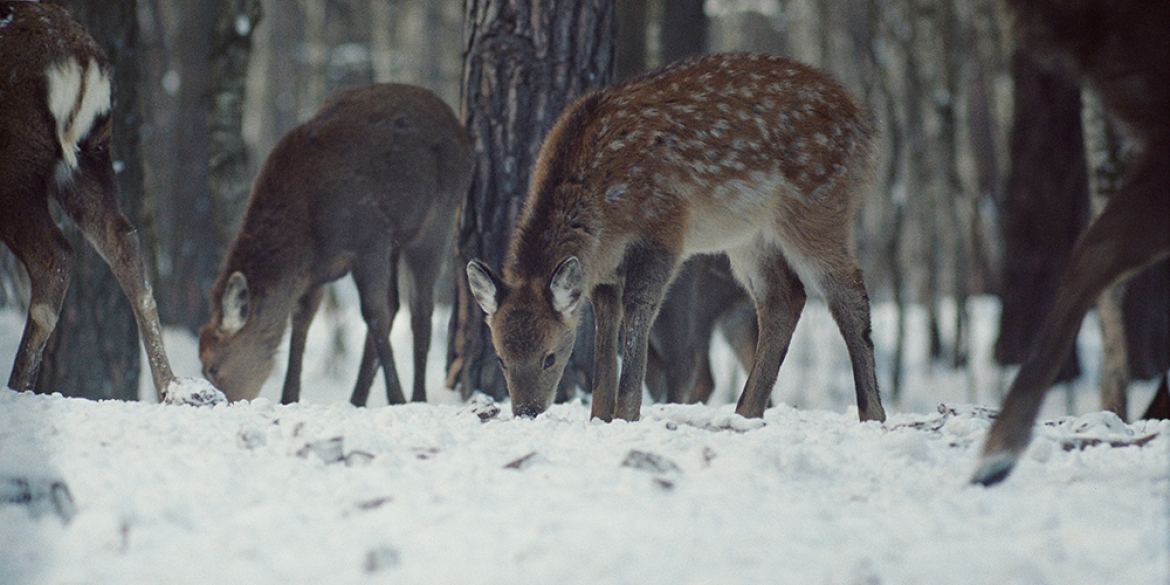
229	177
94	350
631	37
1045	205
684	29
525	61
187	247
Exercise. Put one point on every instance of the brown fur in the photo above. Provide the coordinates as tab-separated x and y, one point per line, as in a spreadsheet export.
756	156
34	166
1118	48
374	177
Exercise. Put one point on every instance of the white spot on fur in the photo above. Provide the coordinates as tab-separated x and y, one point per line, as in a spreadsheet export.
616	192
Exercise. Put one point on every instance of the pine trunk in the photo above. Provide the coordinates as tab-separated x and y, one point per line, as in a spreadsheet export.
525	61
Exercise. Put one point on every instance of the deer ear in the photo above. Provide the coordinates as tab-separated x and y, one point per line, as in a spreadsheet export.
235	304
566	285
485	287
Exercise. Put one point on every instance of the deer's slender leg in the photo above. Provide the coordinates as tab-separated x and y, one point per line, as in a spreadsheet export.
366	372
48	258
779	296
117	241
648	274
424	268
302	317
376	277
1131	232
849	304
607	313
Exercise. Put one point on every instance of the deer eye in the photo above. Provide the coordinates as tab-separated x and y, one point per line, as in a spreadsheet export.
549	360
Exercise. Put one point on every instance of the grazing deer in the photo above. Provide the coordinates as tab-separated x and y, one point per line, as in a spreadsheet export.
1118	48
756	156
374	177
55	128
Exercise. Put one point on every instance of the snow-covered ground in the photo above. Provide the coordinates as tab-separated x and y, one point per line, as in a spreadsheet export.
321	492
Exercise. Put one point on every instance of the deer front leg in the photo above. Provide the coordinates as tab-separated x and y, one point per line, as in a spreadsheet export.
48	258
607	311
1130	233
779	296
647	276
302	317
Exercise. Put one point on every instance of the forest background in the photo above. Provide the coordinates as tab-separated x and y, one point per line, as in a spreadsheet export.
983	185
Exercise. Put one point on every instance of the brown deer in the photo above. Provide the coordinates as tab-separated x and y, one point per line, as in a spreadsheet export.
373	178
756	156
1118	48
55	128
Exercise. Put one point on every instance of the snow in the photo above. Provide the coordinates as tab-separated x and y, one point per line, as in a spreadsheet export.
446	492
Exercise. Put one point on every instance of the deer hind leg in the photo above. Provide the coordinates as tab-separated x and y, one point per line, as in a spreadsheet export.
115	239
1130	233
375	274
648	273
848	302
48	258
779	296
302	317
424	267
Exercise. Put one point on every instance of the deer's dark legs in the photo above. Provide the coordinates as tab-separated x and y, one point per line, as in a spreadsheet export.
779	296
376	276
302	317
849	304
1131	232
48	258
424	265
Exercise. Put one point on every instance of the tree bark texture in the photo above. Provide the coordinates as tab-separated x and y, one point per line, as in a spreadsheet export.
525	61
1105	167
178	163
94	349
684	29
228	174
1045	207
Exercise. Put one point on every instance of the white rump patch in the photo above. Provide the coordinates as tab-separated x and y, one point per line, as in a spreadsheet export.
77	97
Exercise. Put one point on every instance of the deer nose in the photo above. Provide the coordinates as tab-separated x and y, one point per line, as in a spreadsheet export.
211	374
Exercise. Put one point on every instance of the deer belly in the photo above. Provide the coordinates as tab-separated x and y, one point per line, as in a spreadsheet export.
732	214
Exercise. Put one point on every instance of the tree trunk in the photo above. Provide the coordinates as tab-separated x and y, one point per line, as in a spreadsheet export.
1045	207
228	175
631	37
525	61
178	161
1105	167
94	350
684	29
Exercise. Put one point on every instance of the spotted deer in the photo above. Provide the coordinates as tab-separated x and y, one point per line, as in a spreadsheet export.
372	179
55	129
1117	48
755	156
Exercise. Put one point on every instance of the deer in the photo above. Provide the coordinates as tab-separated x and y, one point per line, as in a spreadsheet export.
702	296
372	180
55	130
755	156
1118	49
